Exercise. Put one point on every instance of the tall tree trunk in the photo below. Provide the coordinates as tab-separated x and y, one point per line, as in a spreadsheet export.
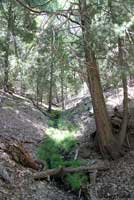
122	134
62	88
51	72
57	96
108	145
7	42
50	88
41	97
37	91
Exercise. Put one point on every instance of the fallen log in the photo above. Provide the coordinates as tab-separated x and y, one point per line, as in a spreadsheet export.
62	171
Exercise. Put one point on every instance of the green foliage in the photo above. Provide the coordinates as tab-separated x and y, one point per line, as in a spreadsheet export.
57	120
55	114
51	123
75	163
33	44
68	143
28	37
30	53
58	143
76	180
64	124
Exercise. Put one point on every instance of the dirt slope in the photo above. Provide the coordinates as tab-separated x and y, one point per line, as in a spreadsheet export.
20	120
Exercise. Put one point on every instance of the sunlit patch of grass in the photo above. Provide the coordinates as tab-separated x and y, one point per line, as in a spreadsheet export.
64	139
57	143
66	125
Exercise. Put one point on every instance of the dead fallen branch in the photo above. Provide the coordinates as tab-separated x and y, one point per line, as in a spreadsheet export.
62	171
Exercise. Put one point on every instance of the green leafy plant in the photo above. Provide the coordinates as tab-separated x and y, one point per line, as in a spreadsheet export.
57	143
76	180
68	143
74	163
66	125
51	123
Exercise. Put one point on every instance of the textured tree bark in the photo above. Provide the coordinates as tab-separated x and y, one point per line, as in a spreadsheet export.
107	143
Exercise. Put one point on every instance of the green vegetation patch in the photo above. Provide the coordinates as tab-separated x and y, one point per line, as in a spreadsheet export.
54	145
76	180
56	149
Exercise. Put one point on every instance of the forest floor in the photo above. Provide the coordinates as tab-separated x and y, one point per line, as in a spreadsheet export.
118	181
21	121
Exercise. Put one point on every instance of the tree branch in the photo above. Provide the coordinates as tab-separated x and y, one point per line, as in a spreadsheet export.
62	171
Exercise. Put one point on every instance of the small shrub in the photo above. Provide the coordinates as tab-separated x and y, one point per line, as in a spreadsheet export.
49	152
76	180
51	123
66	125
55	161
59	142
55	114
69	143
53	144
74	163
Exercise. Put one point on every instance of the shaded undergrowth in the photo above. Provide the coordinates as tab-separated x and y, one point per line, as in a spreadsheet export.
58	150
